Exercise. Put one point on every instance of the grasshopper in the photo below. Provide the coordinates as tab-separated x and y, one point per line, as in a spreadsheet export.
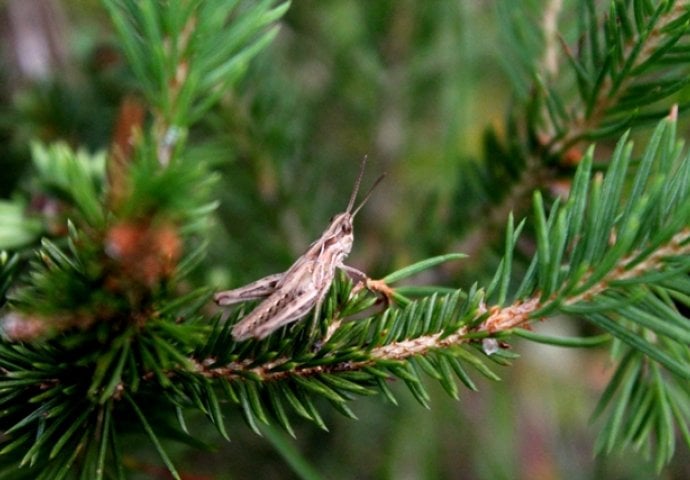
290	295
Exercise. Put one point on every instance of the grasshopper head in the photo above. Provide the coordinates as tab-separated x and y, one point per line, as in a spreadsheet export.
340	232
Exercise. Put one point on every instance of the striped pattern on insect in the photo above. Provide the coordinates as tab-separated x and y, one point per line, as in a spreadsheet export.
290	295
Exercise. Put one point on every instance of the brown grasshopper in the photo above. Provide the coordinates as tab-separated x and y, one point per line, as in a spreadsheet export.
290	295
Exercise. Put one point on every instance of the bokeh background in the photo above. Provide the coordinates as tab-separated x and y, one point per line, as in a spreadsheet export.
415	86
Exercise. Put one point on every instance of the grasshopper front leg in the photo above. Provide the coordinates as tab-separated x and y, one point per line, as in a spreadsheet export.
259	289
362	280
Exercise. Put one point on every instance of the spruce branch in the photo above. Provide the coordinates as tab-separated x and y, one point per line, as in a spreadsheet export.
626	64
185	58
613	262
623	71
97	317
495	320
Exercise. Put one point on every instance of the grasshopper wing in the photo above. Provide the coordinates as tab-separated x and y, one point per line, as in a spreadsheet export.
291	301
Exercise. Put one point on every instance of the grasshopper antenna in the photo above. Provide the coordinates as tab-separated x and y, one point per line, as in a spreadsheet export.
369	192
355	190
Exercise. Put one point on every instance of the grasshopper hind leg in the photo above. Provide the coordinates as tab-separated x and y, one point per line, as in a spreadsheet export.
261	288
